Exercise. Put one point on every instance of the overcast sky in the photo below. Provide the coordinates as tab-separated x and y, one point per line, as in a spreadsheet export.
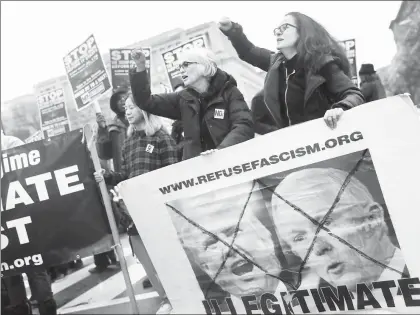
36	35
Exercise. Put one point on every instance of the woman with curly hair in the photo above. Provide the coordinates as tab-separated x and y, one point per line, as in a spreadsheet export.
307	78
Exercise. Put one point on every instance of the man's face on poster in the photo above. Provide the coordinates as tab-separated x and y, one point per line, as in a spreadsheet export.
238	276
356	219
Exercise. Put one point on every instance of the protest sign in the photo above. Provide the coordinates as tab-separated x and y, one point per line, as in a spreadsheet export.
350	48
121	63
171	58
306	218
86	72
51	209
52	107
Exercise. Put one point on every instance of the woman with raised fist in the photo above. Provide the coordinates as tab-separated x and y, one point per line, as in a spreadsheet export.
213	111
307	78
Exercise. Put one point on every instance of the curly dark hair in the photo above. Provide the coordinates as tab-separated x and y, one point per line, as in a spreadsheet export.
315	42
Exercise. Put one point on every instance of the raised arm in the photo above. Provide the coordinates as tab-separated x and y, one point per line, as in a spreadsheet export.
165	105
248	52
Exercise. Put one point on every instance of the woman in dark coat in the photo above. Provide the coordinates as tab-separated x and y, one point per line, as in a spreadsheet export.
213	111
307	78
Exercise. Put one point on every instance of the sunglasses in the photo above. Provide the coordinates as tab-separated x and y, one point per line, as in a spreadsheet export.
282	28
186	64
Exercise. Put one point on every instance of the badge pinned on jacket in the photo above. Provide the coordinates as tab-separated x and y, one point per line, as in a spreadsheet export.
150	148
219	113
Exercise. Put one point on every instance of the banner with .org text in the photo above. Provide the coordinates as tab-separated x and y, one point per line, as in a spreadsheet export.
51	209
305	219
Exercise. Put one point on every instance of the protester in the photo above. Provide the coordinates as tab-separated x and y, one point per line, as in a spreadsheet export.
357	219
307	78
147	148
263	122
213	111
39	280
110	138
370	83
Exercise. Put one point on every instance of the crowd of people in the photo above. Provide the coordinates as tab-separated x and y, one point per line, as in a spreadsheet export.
308	77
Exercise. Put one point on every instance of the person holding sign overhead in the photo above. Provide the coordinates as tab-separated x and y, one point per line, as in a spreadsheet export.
307	78
213	111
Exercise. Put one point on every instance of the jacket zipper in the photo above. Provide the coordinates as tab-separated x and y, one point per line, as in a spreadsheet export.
285	96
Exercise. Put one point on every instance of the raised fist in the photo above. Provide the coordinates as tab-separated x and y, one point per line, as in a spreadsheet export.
100	119
225	24
139	58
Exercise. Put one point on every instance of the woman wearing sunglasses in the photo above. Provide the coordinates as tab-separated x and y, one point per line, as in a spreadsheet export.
308	76
213	111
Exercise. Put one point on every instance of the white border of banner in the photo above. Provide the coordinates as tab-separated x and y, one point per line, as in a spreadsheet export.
390	130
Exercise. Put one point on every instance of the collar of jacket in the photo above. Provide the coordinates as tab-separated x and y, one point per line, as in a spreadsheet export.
140	133
220	81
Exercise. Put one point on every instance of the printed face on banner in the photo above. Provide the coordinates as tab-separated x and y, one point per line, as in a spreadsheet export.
237	252
330	219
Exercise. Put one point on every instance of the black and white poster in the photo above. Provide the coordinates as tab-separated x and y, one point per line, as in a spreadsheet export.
121	63
86	72
303	220
51	209
350	48
52	107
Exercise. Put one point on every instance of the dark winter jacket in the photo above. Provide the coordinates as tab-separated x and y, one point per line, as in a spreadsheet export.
373	90
293	94
216	119
111	138
263	123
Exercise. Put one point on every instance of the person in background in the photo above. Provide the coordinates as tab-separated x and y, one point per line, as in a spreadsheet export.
111	137
147	147
39	280
370	83
213	111
263	121
307	78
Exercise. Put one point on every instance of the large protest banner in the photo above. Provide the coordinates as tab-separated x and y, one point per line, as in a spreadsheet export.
51	211
350	48
121	63
86	72
304	219
171	58
52	107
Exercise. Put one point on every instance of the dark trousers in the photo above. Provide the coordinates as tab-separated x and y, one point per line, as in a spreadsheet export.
104	259
40	284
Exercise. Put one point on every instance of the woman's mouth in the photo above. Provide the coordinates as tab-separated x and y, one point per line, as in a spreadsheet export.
184	77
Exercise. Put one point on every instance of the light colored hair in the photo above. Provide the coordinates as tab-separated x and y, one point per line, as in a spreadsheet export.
202	56
152	123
